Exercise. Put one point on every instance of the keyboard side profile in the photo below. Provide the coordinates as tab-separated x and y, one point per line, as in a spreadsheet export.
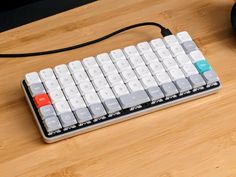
116	86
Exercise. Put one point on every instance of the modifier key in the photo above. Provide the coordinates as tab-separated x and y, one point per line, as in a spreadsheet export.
169	89
97	110
112	106
155	93
210	77
133	99
52	123
83	115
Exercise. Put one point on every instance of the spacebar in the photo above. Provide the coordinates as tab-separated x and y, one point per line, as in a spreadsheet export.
133	99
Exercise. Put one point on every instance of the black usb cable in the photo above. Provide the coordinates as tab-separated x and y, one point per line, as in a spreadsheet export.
164	32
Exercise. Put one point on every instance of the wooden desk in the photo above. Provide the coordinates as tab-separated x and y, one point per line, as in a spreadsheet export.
195	139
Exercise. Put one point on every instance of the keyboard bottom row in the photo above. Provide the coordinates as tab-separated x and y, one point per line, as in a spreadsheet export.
119	116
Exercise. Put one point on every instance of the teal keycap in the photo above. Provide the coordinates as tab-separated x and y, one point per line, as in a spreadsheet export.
202	66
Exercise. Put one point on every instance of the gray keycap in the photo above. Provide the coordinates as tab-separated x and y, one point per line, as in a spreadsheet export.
155	93
183	85
36	89
52	123
46	111
133	99
196	80
67	119
83	115
97	110
169	89
111	106
210	77
189	46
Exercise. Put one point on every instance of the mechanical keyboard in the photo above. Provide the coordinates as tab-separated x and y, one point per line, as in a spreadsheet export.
81	96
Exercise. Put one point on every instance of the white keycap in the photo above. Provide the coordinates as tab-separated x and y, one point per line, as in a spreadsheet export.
134	85
89	62
66	81
162	78
56	95
103	59
32	78
108	69
94	72
117	54
75	66
106	94
122	65
77	102
71	91
156	67
148	82
136	61
61	70
157	44
144	47
120	90
51	85
130	51
163	53
189	69
196	56
86	87
80	76
62	107
170	63
183	37
46	74
91	98
149	57
183	59
100	83
114	79
170	40
128	75
176	73
142	71
176	50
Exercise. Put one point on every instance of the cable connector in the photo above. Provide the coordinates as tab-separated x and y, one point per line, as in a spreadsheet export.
165	32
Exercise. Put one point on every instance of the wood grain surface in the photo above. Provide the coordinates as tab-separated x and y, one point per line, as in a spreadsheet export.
194	139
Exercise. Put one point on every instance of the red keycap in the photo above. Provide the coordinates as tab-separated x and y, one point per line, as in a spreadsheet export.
42	100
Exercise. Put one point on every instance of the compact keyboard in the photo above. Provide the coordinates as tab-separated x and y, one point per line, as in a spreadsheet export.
81	96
